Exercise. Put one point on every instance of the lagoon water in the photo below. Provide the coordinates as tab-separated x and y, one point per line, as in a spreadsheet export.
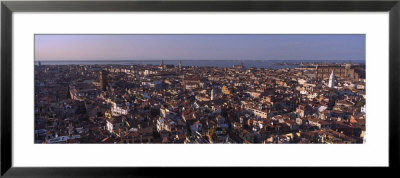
202	63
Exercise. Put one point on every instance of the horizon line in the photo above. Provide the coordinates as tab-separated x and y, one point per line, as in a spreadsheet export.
206	60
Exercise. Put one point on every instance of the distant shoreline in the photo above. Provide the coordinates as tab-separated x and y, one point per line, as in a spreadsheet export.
274	64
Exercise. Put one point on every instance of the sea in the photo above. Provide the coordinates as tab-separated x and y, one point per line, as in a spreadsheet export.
273	64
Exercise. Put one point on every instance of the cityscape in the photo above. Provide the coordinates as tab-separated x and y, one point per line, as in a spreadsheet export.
193	101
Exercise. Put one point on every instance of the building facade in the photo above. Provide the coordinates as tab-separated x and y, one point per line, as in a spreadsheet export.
341	72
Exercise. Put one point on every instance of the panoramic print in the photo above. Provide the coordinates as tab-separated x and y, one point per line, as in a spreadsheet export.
200	89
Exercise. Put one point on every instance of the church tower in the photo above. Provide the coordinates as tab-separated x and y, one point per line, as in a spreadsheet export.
103	79
331	80
212	94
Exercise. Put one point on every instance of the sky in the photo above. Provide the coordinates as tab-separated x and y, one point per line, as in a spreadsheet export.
199	47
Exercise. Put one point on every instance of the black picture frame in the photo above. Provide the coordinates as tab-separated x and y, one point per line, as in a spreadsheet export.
8	7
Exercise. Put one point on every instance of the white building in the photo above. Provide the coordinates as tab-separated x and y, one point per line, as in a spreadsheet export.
147	72
118	110
152	84
110	126
364	109
302	81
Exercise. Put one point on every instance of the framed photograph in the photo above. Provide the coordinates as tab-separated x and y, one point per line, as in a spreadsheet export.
112	89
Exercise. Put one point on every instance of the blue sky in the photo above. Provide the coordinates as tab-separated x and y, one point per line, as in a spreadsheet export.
198	47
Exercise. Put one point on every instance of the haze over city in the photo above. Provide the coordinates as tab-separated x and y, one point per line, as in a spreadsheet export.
199	47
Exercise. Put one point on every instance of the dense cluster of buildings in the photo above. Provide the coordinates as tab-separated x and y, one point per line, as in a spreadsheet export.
191	104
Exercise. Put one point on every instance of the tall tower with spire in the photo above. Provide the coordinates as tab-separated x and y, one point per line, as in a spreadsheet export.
103	76
162	64
180	64
331	83
212	94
